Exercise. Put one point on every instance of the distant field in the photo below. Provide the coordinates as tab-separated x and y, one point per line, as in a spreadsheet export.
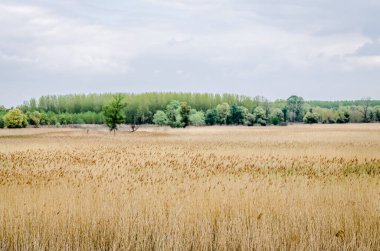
210	188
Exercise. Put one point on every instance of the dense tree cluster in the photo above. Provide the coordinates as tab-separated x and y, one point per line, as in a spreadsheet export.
183	109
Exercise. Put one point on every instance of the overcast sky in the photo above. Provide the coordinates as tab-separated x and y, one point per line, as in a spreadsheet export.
319	49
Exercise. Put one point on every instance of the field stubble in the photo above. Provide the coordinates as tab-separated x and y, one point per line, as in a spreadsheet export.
214	188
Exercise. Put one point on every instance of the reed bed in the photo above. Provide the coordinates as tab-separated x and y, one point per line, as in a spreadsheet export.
215	188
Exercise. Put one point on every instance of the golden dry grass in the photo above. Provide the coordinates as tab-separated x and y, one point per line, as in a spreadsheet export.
219	188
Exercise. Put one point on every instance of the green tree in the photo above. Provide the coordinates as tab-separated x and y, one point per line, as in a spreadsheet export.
52	118
260	116
285	112
364	108
160	118
326	116
276	116
238	114
377	114
343	117
223	111
3	111
295	105
250	119
34	118
185	113
65	118
172	110
310	118
44	119
371	115
114	113
267	107
197	118
211	116
15	118
33	104
173	113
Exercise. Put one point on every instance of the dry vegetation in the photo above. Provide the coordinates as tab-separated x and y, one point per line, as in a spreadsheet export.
222	188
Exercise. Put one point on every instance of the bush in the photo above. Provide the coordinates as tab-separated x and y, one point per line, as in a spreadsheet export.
1	122
197	119
261	122
275	120
223	112
177	124
238	115
15	118
310	118
260	116
343	117
160	118
276	116
65	119
377	114
211	116
184	111
79	121
34	118
91	118
250	119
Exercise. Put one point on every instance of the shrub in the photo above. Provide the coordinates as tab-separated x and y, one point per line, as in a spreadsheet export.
34	118
211	116
197	119
276	116
250	119
274	120
184	111
177	124
223	112
377	114
15	118
160	118
261	122
238	115
260	115
310	118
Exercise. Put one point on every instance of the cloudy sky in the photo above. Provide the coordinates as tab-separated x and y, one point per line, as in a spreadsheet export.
319	49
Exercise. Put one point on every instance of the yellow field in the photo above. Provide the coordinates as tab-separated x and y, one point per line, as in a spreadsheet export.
213	188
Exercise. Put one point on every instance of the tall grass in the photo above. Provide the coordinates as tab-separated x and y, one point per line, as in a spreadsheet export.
222	188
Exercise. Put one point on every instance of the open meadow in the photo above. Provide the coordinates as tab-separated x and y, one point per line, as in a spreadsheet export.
300	187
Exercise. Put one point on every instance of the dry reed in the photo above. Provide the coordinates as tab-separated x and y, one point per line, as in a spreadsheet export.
218	188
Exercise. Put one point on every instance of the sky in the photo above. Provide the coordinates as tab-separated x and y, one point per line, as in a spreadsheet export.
318	49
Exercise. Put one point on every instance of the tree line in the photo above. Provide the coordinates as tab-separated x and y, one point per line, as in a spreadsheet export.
183	109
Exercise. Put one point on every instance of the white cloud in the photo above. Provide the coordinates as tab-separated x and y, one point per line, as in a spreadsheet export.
62	44
65	44
216	41
371	48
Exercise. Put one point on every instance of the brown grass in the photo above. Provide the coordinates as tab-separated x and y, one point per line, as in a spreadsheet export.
219	188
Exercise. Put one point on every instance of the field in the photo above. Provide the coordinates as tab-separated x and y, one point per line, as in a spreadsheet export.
213	188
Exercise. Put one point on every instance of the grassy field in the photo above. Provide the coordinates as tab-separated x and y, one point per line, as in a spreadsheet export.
212	188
